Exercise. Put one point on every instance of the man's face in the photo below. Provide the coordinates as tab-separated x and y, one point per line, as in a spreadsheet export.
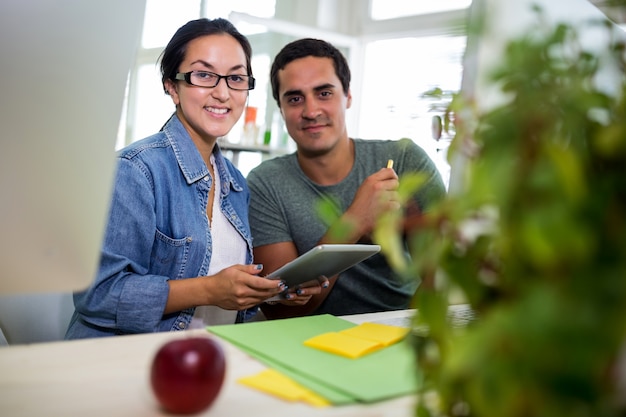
313	104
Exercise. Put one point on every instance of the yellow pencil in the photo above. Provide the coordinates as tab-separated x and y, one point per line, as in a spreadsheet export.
390	163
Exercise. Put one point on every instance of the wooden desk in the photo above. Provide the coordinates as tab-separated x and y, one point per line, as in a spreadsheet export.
110	377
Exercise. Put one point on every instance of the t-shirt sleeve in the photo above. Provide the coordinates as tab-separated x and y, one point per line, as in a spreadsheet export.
414	159
267	215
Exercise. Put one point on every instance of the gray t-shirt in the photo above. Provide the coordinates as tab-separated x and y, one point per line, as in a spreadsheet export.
284	207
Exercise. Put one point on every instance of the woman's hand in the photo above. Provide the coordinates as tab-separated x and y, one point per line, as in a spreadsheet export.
239	287
303	293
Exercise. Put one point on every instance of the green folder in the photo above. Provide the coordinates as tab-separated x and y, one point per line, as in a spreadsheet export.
381	375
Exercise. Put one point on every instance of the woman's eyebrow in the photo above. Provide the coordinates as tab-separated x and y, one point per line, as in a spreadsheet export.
211	67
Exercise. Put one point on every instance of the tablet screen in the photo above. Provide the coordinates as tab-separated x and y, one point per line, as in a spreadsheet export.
322	260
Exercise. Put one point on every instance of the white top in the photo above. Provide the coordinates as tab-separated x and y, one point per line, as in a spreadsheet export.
229	248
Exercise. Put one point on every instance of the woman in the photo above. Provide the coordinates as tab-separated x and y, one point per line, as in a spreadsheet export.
177	251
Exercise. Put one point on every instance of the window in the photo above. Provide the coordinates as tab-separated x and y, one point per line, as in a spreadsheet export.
148	108
394	62
392	105
389	9
152	107
163	18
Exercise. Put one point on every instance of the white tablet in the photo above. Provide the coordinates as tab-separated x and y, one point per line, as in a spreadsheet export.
323	260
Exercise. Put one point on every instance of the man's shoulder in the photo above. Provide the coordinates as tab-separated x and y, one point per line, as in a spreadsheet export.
271	168
394	148
385	143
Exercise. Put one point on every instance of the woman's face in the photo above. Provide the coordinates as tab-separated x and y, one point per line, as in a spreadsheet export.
208	113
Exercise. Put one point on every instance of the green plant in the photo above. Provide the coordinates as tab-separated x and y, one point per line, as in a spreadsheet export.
535	243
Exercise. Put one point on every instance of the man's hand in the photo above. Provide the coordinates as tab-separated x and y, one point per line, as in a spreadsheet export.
376	195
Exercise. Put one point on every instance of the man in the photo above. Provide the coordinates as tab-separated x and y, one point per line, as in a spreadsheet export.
311	84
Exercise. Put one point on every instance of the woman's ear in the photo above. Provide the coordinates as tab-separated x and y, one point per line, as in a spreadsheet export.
172	89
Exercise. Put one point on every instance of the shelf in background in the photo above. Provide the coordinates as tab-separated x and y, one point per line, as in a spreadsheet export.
233	151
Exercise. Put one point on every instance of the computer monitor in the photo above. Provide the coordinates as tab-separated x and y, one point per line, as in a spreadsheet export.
63	70
504	20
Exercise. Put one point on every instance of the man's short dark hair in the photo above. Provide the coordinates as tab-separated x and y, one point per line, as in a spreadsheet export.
302	48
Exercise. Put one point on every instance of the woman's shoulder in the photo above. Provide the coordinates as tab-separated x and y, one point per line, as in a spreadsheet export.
154	142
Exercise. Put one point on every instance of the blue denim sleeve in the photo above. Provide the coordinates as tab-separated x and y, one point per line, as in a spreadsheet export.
125	295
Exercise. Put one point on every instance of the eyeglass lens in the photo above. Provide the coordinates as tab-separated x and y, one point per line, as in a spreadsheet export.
210	79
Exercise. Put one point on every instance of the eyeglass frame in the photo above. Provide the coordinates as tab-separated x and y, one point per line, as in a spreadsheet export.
186	76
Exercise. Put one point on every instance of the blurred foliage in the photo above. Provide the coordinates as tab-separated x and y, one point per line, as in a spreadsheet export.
535	242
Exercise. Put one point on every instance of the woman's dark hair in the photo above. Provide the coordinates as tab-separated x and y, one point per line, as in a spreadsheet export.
309	47
174	52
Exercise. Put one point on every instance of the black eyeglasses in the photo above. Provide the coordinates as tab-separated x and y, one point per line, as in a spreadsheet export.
210	79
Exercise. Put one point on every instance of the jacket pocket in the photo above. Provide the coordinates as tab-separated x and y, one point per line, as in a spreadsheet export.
169	255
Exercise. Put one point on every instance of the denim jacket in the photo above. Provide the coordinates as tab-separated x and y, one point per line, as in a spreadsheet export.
157	230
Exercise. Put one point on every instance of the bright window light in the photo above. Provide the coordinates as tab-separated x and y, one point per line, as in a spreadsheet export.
164	17
258	8
397	72
153	106
389	9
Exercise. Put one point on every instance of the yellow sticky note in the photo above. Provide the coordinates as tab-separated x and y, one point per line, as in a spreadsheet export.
343	344
275	383
377	332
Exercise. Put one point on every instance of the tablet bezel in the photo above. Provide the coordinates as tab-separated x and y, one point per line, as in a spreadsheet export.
322	260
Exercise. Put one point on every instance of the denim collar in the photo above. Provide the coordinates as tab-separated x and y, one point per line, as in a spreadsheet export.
190	161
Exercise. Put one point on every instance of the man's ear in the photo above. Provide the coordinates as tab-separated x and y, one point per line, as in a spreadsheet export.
172	89
349	99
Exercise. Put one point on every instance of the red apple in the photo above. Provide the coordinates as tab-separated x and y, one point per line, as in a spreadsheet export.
187	374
